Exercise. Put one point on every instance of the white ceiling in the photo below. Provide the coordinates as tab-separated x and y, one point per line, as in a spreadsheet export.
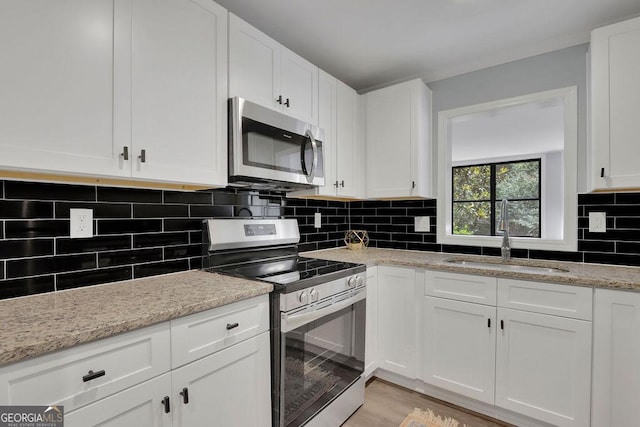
372	43
515	131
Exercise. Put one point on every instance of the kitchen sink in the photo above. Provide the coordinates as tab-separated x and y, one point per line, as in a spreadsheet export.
521	268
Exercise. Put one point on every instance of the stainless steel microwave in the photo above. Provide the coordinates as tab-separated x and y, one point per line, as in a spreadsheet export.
269	150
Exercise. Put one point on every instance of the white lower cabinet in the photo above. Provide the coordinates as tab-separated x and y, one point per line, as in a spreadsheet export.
530	361
397	337
139	406
543	367
459	351
616	352
229	388
130	380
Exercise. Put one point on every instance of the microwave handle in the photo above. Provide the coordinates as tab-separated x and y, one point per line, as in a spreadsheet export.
314	148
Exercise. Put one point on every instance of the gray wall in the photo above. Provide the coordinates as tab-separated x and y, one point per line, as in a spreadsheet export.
553	70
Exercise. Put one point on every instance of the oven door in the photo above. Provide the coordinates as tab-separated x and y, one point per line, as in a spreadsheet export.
322	350
268	145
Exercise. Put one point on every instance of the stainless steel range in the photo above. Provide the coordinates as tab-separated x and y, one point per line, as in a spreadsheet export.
317	318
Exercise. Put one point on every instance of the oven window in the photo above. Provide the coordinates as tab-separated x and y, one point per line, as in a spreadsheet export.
320	360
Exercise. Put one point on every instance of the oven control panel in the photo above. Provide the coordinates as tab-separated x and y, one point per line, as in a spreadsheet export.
322	292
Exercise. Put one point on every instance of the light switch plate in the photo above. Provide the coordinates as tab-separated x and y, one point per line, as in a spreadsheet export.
317	220
81	223
597	222
422	224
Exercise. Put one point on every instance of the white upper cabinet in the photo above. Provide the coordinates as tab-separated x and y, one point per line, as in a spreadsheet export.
56	86
115	88
615	106
339	115
179	91
398	141
265	72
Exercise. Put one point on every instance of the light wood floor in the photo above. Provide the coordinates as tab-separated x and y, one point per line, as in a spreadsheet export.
387	405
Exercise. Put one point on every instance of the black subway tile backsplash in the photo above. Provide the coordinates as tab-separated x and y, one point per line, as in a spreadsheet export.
44	265
45	191
93	277
109	194
25	248
10	209
160	211
93	244
160	239
143	232
145	270
26	286
106	259
100	210
188	198
36	228
129	226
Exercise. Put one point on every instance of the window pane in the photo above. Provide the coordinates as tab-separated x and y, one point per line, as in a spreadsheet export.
472	183
518	180
472	218
524	218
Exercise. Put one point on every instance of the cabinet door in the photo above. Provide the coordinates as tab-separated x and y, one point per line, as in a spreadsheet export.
139	406
179	91
615	105
346	141
398	141
616	351
229	388
299	86
397	338
56	97
254	64
371	341
459	347
543	367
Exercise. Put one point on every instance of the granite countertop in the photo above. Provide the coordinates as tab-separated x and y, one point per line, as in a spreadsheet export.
573	273
46	322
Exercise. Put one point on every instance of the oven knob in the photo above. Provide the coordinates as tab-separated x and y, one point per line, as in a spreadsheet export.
351	282
313	295
359	281
303	297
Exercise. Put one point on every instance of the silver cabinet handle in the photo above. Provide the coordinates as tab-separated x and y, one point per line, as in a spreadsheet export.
143	156
125	153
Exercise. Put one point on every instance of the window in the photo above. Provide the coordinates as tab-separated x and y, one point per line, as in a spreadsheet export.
523	149
478	190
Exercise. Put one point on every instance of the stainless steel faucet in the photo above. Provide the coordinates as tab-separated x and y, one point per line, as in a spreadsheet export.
503	225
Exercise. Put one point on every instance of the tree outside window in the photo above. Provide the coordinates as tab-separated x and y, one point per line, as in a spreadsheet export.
478	190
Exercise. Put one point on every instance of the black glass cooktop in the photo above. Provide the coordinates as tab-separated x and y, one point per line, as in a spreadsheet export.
292	273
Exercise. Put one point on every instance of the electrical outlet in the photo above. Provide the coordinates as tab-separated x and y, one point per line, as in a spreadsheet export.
422	224
317	220
597	222
81	223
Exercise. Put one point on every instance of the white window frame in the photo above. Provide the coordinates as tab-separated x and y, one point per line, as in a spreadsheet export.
569	238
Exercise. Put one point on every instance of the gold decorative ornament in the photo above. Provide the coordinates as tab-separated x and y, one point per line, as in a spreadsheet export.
356	239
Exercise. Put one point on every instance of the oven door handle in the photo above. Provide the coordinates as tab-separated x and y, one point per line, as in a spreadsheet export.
294	321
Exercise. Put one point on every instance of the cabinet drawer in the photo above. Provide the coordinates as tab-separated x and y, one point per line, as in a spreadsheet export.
547	298
200	334
461	287
57	378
